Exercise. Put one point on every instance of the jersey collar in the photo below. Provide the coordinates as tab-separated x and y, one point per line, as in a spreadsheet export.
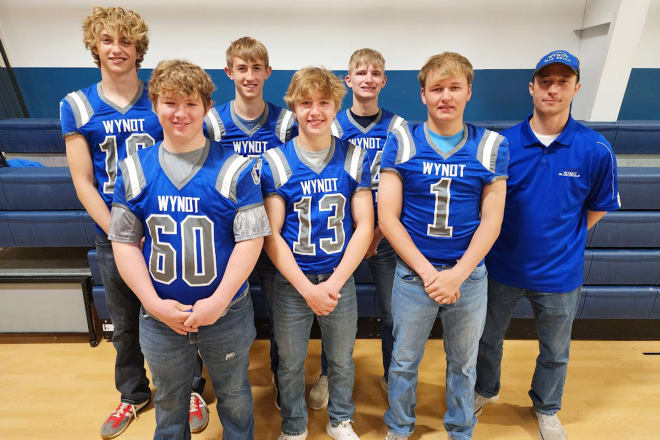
566	137
122	110
241	126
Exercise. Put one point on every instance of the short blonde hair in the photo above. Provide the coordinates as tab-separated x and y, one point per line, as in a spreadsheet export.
248	49
367	57
446	64
126	23
181	78
310	80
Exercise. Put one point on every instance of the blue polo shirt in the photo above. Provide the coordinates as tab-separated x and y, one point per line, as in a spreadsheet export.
550	189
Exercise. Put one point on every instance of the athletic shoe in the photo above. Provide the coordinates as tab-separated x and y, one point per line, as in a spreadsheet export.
480	401
343	431
383	383
318	395
284	436
392	436
549	426
198	417
120	418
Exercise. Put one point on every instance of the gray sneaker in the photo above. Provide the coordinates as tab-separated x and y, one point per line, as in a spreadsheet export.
318	395
480	401
549	426
392	436
198	415
120	418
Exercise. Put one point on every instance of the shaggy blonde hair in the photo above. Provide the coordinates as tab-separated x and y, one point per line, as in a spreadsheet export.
444	65
181	78
247	49
366	57
310	80
128	24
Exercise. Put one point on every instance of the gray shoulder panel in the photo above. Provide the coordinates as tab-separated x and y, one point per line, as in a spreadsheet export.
279	166
406	145
284	125
133	175
82	109
488	148
353	161
336	129
214	126
225	184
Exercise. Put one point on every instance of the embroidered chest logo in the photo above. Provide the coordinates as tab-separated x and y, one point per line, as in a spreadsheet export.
569	173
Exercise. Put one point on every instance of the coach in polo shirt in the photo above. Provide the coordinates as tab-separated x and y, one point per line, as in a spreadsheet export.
562	181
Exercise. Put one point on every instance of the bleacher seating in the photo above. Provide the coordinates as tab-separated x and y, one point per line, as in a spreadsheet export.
39	208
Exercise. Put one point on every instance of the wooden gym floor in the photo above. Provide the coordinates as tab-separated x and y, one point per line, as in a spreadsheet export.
61	388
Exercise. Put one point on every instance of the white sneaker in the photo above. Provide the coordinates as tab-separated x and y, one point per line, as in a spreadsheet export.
284	436
343	431
480	401
318	395
392	436
549	426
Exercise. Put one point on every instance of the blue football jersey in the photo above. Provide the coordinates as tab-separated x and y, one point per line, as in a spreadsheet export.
275	128
371	138
112	132
188	226
318	222
442	191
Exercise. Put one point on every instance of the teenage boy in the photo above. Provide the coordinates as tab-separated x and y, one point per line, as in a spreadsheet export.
366	125
321	213
440	205
101	125
201	211
562	182
250	126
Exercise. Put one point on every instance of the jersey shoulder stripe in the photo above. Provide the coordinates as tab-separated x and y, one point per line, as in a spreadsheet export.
284	125
227	179
82	109
395	122
133	174
353	162
278	165
214	125
406	145
336	129
489	146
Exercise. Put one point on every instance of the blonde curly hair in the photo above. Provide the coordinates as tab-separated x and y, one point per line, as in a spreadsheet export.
128	24
310	80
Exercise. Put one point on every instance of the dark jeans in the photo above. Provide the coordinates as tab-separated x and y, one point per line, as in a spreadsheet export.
554	313
124	307
265	271
383	266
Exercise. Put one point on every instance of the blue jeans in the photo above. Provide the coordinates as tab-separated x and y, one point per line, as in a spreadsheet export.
382	266
124	307
554	313
265	271
225	347
462	323
293	322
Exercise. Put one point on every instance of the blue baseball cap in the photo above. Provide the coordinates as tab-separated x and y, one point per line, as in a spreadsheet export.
562	57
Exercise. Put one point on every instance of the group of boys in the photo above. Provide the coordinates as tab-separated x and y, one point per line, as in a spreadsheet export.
181	225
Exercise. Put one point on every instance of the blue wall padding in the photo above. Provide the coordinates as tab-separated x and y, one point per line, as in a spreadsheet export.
98	293
31	135
638	137
624	267
618	302
46	229
641	98
93	261
655	313
627	229
37	189
639	188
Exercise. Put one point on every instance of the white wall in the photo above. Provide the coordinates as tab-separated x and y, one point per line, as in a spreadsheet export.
492	34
